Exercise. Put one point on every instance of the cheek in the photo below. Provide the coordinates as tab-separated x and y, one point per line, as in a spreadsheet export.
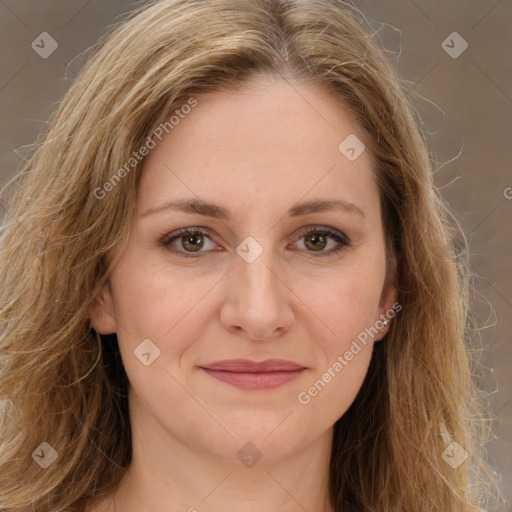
348	308
166	308
346	304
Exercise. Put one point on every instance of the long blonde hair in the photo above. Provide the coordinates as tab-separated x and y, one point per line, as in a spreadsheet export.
64	385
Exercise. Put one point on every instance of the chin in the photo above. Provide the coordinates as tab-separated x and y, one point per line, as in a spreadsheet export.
271	438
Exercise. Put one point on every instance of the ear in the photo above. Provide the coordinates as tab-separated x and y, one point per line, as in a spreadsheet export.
388	305
387	311
101	312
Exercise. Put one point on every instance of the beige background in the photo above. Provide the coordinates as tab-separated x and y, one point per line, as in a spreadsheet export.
465	102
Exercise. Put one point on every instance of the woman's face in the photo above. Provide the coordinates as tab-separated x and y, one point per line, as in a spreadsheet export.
267	273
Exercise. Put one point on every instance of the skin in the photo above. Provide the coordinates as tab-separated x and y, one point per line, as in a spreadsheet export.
256	150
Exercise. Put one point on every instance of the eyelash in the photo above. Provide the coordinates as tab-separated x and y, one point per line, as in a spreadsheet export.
340	238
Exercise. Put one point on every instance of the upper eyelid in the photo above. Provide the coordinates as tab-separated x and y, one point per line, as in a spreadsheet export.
301	232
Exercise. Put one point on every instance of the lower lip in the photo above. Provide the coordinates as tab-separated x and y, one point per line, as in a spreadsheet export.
254	381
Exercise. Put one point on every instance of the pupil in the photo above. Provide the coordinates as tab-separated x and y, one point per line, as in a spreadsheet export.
193	240
315	239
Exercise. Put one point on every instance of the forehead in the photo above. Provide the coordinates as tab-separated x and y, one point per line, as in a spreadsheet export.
260	143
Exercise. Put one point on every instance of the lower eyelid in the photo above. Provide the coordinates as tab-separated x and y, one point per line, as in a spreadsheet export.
166	241
341	240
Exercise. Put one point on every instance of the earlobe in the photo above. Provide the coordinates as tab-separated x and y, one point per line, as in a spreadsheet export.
101	312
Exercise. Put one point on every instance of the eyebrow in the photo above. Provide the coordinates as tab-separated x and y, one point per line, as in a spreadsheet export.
222	213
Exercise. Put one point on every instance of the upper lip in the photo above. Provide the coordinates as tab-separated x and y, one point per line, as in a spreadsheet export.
248	366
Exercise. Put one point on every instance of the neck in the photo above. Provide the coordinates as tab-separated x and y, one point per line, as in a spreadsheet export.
166	474
195	482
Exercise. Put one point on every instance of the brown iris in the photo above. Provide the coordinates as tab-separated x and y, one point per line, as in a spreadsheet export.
196	242
315	238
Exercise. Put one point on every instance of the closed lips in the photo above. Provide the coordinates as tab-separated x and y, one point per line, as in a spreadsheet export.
253	375
248	366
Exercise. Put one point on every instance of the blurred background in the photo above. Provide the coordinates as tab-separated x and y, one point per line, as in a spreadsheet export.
455	59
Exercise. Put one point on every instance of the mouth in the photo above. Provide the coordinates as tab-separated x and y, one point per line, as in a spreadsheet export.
252	375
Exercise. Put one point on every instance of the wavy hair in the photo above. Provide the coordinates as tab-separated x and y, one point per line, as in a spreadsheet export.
64	384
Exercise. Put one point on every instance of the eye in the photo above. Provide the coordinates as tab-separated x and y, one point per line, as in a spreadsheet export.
317	239
191	241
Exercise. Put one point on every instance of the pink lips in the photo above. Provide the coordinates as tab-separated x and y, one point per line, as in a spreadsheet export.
253	375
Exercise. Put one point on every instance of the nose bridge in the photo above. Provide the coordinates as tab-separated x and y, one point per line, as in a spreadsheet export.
257	299
259	285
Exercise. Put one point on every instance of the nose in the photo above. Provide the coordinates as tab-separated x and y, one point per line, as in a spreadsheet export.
258	301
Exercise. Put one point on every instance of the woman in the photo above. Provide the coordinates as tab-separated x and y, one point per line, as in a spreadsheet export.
230	283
